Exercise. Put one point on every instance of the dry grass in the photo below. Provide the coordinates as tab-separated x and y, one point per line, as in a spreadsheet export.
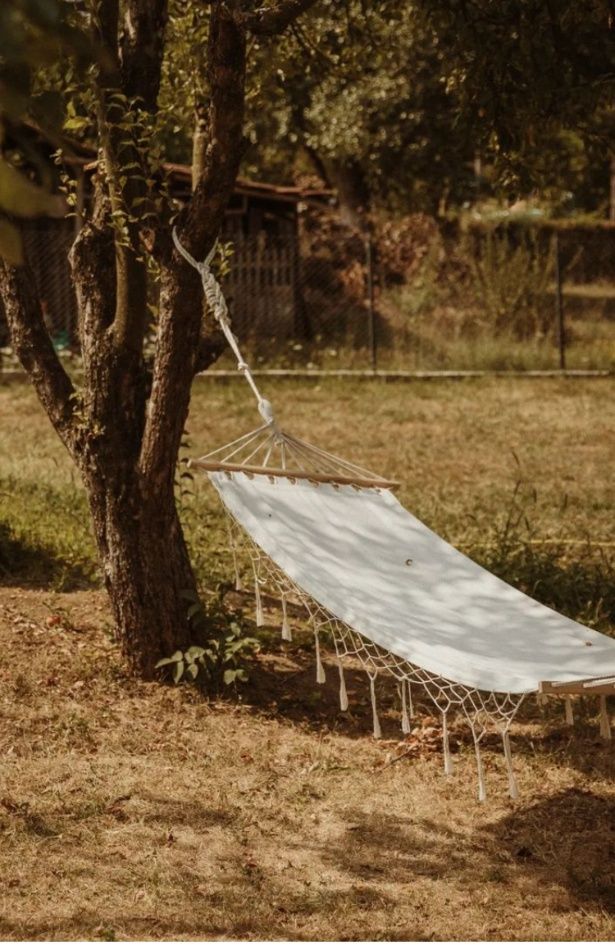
132	810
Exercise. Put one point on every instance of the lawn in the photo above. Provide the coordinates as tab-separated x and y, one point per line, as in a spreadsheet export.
132	810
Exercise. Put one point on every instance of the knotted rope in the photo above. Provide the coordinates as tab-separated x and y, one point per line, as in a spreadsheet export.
217	303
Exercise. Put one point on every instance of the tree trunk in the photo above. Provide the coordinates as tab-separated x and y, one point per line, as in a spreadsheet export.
145	564
127	467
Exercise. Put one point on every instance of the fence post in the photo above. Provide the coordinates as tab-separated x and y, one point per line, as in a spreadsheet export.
559	307
371	314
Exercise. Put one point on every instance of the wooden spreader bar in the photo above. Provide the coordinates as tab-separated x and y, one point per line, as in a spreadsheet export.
272	471
599	686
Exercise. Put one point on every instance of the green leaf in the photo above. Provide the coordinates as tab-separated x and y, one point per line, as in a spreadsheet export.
179	672
229	676
194	652
78	123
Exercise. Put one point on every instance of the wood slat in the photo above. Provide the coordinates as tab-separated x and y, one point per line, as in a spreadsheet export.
601	685
273	471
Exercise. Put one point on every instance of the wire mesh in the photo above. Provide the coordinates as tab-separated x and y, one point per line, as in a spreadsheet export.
409	296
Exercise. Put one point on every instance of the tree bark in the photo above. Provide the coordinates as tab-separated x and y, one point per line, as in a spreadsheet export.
142	551
145	563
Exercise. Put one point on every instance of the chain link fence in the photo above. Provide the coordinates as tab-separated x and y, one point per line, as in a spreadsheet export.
46	246
413	298
419	298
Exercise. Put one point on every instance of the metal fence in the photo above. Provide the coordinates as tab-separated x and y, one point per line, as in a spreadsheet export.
338	299
333	298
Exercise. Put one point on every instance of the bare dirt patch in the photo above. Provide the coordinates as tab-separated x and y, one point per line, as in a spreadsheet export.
132	810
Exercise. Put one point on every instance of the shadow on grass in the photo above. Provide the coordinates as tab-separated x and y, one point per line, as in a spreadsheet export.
30	564
381	848
282	683
568	839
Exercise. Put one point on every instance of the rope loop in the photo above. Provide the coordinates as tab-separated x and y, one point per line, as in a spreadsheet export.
217	303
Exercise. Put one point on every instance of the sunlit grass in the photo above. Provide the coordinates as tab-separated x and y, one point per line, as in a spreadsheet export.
459	450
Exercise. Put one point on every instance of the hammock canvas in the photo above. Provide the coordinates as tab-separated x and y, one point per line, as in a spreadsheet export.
391	594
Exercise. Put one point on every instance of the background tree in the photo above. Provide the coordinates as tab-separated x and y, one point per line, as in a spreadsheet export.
359	90
535	81
123	424
393	102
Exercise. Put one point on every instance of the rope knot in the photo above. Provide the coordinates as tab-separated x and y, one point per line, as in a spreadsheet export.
266	411
217	303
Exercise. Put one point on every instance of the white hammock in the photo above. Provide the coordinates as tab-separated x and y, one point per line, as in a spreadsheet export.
392	594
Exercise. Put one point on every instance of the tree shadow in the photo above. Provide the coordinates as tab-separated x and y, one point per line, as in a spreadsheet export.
283	683
568	839
378	847
34	565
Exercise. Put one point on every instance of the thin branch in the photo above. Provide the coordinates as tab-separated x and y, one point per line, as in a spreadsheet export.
268	21
180	350
142	49
226	68
135	85
31	343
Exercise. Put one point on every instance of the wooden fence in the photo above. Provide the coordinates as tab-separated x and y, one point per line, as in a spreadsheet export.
263	290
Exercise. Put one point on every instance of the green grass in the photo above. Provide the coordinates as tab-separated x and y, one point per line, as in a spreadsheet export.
517	474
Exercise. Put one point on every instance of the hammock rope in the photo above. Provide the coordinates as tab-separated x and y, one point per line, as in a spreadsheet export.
217	303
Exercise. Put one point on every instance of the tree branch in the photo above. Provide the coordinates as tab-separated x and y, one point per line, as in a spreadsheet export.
142	49
268	21
31	343
134	86
181	349
226	68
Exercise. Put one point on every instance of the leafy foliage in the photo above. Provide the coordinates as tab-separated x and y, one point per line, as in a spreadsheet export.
393	103
510	280
32	34
360	91
534	80
222	660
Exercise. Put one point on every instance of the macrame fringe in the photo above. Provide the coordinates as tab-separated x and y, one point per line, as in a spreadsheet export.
446	748
605	722
513	789
287	634
541	699
238	582
410	703
372	689
260	620
233	546
568	709
343	692
320	670
405	718
482	790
